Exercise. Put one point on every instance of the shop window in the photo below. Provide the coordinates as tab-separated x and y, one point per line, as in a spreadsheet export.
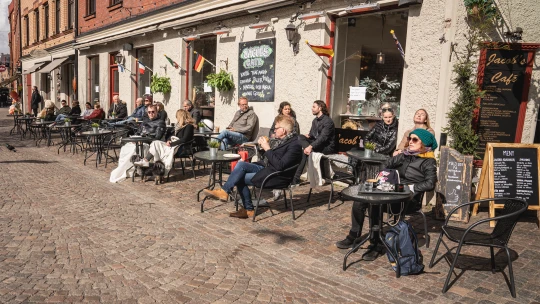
27	31
207	48
113	2
46	86
57	17
71	13
46	12
67	79
93	79
90	7
146	58
36	23
356	51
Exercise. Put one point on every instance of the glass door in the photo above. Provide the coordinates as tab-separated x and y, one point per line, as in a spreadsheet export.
115	84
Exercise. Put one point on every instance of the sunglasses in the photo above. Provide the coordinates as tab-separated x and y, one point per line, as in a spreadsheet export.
413	139
387	110
152	112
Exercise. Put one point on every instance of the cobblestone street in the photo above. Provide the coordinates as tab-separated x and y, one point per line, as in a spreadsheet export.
68	235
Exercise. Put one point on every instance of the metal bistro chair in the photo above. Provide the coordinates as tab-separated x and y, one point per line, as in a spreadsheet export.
498	238
114	142
283	188
185	151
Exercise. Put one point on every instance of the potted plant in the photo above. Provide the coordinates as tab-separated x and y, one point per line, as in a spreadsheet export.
379	92
42	119
201	126
113	115
67	122
222	81
95	127
369	147
214	146
481	9
160	84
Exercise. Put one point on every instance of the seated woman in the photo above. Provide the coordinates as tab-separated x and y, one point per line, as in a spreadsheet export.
421	121
285	109
162	114
384	133
165	151
98	113
48	112
88	110
417	168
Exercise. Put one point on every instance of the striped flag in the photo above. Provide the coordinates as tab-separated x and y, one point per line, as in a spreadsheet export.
322	50
141	67
398	45
174	64
121	68
199	61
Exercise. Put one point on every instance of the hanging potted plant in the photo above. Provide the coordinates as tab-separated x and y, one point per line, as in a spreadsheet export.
160	84
222	81
481	9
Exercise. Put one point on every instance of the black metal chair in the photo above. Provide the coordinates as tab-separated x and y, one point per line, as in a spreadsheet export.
414	206
284	189
185	151
498	238
114	142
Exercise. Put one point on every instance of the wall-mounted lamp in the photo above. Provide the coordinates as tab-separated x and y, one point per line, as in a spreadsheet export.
259	25
380	58
119	58
290	30
191	38
515	35
311	15
366	7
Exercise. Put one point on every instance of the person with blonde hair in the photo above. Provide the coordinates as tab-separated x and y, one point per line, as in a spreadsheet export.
165	151
48	111
421	121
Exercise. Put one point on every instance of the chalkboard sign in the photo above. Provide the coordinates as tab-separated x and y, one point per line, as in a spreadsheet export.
347	139
505	86
454	188
256	70
510	170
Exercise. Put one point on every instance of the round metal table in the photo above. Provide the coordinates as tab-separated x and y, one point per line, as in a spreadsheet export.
139	142
376	198
95	144
67	138
27	122
370	166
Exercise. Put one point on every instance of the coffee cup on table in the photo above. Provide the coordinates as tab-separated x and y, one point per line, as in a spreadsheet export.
399	187
216	129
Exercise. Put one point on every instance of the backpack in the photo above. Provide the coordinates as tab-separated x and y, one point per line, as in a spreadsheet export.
403	242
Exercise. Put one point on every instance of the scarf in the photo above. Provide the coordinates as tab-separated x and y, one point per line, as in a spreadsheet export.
276	142
426	154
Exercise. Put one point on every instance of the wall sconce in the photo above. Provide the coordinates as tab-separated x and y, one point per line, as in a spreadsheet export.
380	58
119	58
191	38
366	7
515	35
311	15
290	30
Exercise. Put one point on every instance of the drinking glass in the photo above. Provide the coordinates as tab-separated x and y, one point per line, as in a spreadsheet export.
385	187
368	186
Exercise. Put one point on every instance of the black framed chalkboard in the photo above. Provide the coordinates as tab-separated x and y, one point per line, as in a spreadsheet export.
256	70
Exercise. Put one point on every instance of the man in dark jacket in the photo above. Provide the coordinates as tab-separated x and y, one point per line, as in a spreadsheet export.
65	109
286	153
76	109
320	138
195	113
118	107
35	101
152	126
241	127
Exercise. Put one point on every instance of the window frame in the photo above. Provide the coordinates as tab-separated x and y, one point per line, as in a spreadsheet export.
36	23
58	15
27	23
46	16
90	82
136	69
115	2
71	13
90	7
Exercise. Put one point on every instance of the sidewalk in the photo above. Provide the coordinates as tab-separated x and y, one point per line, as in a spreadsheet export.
68	235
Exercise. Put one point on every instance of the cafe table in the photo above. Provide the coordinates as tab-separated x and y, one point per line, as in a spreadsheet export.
376	198
216	169
369	166
25	121
44	131
67	138
15	128
139	142
95	144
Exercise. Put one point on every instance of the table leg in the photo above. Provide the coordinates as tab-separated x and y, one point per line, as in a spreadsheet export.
357	246
210	186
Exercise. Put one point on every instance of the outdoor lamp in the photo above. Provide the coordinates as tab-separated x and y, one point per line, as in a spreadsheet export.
380	58
290	30
118	57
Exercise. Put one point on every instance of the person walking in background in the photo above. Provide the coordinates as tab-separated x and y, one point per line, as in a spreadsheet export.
35	101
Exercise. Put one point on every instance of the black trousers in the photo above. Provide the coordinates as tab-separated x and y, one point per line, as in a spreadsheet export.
305	142
357	217
35	110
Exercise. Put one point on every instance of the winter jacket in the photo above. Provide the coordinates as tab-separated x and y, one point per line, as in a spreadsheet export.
384	136
244	123
119	108
96	114
415	170
154	128
195	114
184	135
139	112
162	115
322	134
65	110
75	111
284	156
36	99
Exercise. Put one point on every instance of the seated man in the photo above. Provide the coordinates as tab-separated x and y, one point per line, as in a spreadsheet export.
320	138
138	113
241	127
285	153
75	111
152	126
195	113
118	107
65	109
417	168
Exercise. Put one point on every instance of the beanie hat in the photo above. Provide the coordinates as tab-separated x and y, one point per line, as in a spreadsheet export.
426	137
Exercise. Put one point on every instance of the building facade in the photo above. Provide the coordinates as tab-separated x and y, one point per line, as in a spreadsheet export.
225	31
14	38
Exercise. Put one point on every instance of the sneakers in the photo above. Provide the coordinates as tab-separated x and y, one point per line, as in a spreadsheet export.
373	252
277	194
142	163
220	194
345	244
242	213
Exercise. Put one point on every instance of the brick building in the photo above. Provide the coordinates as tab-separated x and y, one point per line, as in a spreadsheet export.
48	32
14	38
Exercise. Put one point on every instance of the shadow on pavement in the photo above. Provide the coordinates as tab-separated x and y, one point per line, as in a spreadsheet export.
27	161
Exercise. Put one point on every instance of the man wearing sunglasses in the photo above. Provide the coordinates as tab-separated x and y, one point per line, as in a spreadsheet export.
152	126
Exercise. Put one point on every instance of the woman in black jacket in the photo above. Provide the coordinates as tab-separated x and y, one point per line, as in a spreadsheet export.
165	151
285	109
384	133
417	169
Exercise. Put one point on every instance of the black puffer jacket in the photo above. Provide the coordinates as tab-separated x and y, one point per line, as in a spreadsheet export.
415	170
155	128
384	136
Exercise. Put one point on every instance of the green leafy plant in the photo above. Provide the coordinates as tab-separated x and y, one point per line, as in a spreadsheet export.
482	9
95	125
222	81
380	92
160	84
213	144
369	146
201	124
67	120
113	113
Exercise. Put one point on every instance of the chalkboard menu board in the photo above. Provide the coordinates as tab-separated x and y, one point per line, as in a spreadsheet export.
256	70
503	83
454	188
347	139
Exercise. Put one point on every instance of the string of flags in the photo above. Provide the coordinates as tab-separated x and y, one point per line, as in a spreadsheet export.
172	62
398	45
199	62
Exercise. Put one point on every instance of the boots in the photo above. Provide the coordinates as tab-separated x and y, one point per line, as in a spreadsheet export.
217	193
242	213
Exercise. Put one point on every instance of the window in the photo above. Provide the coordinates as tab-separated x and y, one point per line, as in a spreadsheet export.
207	48
46	11
113	2
146	58
36	22
71	14
90	7
93	79
27	30
57	17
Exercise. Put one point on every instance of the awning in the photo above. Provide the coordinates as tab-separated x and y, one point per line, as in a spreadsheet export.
53	65
8	81
35	67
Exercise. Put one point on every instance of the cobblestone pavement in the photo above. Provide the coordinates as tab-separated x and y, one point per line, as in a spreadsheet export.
68	235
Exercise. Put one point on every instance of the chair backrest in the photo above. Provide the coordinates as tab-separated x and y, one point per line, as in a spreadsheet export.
256	127
508	218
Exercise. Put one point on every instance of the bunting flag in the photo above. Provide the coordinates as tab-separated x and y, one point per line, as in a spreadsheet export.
398	45
121	68
141	67
174	64
199	61
322	50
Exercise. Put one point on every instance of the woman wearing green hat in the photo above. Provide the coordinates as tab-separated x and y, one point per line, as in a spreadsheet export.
417	168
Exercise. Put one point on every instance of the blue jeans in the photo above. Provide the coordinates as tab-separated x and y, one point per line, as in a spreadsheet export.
231	138
241	178
60	118
123	122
